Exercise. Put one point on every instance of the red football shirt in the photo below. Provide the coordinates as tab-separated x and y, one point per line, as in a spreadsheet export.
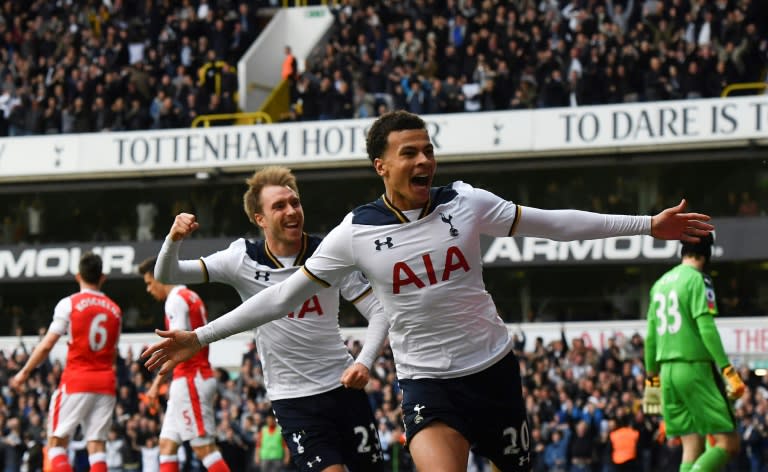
94	322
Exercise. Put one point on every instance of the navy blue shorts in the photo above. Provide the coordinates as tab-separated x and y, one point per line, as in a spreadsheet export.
487	408
335	427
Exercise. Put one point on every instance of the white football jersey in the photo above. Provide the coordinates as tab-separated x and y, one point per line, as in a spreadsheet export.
302	353
427	273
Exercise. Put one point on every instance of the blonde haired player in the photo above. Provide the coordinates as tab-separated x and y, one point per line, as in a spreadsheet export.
311	379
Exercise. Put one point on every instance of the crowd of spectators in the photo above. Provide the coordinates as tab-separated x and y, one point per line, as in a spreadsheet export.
454	56
87	66
576	396
72	67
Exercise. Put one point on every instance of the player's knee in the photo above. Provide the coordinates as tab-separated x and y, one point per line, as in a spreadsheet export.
729	443
168	447
202	450
94	447
732	447
56	441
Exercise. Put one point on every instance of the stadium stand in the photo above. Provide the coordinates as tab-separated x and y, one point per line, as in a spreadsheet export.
74	67
435	57
80	67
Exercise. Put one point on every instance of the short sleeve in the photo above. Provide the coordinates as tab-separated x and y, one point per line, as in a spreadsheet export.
333	259
219	265
495	216
61	315
354	286
703	301
177	312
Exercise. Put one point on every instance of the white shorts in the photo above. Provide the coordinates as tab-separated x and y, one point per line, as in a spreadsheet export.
91	411
189	414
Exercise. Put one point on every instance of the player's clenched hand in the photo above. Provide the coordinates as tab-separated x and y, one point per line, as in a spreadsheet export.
177	347
652	396
734	386
355	376
183	225
672	223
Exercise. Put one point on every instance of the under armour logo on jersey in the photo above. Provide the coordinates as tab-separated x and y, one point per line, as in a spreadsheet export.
447	219
387	242
260	274
297	439
311	463
418	419
524	459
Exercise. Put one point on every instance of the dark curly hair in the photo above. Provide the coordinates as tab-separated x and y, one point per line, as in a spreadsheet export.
376	142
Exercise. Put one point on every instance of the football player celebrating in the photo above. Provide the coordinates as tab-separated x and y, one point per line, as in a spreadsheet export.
306	365
420	248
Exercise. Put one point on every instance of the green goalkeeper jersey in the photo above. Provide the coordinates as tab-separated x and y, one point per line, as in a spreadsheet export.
678	298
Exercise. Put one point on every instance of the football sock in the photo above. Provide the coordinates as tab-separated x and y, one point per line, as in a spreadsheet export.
169	463
711	461
59	460
98	462
215	463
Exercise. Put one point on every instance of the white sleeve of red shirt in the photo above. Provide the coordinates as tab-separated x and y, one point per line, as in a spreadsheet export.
61	313
177	312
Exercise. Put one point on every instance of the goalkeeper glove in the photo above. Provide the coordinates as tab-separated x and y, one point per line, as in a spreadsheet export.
652	396
734	386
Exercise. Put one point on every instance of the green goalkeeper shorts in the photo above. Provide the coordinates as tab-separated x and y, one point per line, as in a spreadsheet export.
693	399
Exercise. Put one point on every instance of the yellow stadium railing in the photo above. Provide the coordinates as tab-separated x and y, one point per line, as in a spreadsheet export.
744	86
243	118
278	103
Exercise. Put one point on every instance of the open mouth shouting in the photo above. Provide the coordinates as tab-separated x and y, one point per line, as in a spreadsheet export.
421	180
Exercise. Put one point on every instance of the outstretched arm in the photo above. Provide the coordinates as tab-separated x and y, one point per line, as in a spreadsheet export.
269	304
169	269
566	225
38	355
